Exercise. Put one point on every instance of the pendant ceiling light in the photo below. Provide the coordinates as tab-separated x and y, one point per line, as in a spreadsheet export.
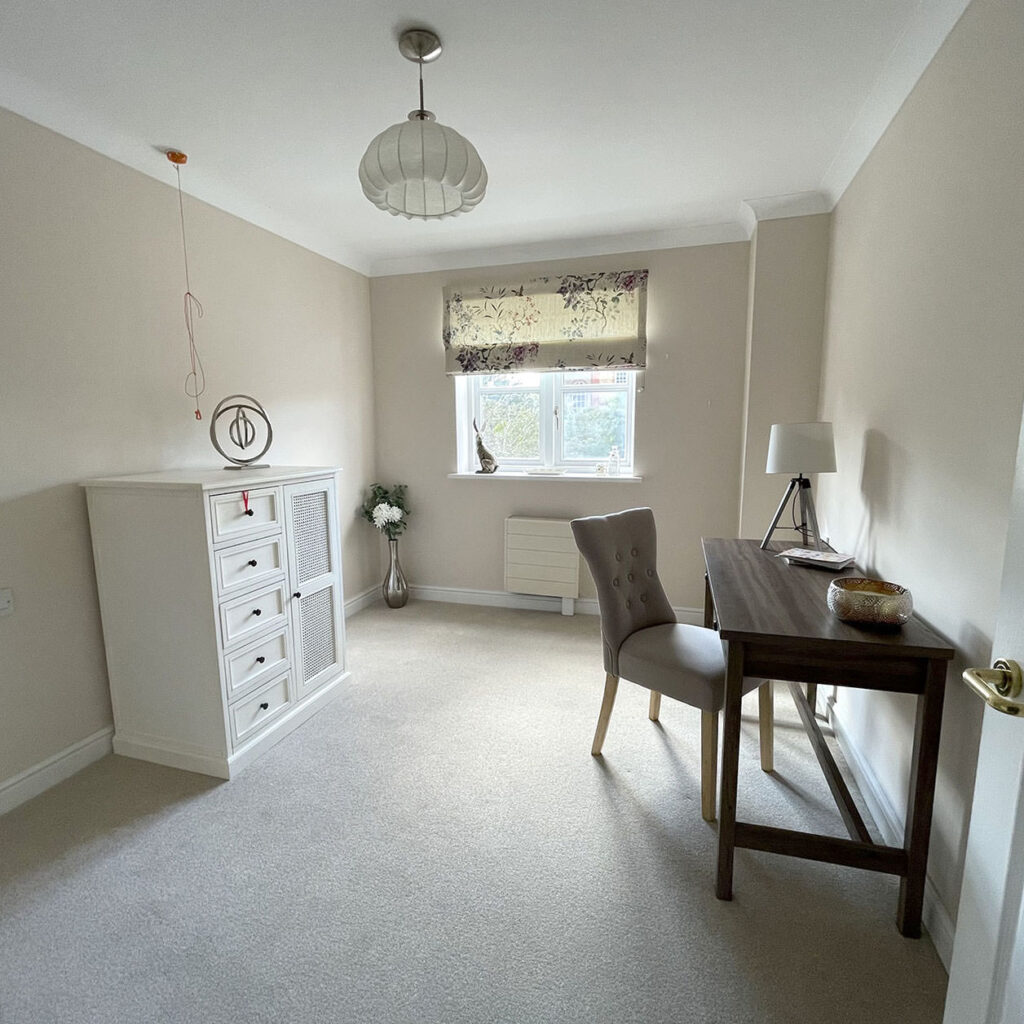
420	168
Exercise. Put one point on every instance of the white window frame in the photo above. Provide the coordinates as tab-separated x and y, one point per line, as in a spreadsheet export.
553	392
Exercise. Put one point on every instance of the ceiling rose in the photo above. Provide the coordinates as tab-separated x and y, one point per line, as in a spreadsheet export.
419	168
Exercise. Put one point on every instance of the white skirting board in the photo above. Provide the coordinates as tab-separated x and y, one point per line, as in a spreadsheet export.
60	766
363	600
935	917
41	777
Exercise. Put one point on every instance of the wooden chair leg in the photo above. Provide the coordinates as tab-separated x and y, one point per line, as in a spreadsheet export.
766	719
655	708
611	686
708	764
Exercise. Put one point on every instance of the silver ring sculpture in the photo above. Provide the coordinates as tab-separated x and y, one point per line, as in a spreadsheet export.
242	431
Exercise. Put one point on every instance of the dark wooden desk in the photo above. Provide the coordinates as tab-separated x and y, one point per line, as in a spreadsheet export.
775	624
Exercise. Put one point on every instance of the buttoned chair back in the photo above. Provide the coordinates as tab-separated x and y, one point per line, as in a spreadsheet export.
643	642
621	551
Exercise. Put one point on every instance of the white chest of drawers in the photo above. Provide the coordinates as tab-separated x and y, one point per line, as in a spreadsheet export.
221	599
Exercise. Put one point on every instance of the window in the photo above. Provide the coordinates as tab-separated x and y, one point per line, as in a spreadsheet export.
567	421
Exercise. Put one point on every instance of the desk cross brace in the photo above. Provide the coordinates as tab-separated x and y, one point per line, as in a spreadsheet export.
836	783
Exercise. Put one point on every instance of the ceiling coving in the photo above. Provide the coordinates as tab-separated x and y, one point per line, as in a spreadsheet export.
637	126
419	168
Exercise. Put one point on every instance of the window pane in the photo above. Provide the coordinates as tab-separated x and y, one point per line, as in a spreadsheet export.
510	380
593	427
571	378
511	426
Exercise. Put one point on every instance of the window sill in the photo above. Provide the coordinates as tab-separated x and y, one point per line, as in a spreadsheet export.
594	478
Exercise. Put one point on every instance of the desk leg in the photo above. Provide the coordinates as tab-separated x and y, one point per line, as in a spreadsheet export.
923	768
709	605
730	768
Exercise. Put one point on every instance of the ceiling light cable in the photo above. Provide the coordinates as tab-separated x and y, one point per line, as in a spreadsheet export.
195	379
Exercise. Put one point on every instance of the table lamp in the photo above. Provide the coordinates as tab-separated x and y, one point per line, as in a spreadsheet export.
799	448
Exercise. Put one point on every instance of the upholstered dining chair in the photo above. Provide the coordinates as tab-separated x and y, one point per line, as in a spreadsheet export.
644	643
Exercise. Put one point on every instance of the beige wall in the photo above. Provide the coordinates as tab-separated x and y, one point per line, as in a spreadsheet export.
688	422
788	261
92	362
924	378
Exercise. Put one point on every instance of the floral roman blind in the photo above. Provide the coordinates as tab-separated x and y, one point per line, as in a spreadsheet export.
572	322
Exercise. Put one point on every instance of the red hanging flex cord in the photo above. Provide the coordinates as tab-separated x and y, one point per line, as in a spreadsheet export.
195	380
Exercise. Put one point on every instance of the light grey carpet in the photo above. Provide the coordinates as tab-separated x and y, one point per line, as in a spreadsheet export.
438	846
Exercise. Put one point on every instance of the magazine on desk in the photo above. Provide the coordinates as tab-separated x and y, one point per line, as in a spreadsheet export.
816	559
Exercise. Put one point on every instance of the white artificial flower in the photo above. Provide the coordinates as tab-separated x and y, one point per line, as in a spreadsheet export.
385	513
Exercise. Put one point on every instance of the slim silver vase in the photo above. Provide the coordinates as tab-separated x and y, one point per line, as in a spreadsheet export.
395	589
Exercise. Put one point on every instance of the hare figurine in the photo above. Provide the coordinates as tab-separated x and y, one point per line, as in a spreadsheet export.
488	463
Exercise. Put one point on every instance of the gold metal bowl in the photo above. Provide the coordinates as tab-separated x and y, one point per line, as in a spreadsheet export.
871	602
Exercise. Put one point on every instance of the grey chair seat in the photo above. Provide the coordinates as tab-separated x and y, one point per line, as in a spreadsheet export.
680	661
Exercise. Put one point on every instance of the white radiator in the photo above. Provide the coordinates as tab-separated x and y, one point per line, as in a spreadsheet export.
541	558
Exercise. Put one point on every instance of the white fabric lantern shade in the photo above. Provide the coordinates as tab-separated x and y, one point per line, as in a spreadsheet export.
419	168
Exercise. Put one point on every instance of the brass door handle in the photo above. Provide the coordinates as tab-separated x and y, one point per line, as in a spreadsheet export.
998	685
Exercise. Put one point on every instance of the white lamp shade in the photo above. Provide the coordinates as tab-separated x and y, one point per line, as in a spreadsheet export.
422	169
801	448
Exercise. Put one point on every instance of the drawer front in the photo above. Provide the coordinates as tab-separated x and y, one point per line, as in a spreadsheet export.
232	520
256	663
249	565
244	617
251	715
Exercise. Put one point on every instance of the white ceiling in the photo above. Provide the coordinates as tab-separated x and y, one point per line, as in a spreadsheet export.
604	126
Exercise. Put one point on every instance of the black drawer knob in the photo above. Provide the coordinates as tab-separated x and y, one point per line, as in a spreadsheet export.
250	511
252	562
257	611
264	706
298	593
260	660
